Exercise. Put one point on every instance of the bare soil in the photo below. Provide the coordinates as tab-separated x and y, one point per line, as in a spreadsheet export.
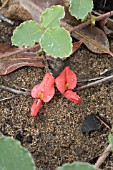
54	136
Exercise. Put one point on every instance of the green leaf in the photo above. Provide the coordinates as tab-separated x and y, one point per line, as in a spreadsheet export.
57	42
110	138
13	156
27	34
80	8
77	166
51	17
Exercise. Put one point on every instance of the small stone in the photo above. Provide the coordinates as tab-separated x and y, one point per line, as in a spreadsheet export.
19	137
90	124
29	139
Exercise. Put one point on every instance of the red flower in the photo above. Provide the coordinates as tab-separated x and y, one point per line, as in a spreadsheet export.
66	82
42	92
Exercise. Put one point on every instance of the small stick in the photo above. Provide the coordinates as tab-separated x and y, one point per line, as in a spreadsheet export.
8	98
19	51
103	122
19	92
109	78
4	4
89	80
104	155
6	20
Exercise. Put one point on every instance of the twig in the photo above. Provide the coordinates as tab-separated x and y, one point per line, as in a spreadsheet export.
107	71
19	92
8	98
80	26
104	155
6	20
105	124
109	78
19	51
4	4
89	80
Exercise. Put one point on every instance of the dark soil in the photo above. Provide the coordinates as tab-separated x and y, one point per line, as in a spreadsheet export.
54	136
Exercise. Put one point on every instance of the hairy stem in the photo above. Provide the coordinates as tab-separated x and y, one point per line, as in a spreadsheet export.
84	24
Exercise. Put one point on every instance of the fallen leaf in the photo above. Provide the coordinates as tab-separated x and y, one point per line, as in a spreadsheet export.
107	26
77	45
9	64
95	39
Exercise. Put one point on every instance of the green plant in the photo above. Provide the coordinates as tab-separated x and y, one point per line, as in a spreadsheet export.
13	156
80	8
53	39
77	166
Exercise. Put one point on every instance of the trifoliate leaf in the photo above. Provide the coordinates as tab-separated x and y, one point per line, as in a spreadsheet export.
57	42
51	17
80	8
27	34
110	138
77	166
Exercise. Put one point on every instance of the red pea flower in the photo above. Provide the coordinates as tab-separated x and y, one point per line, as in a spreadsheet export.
42	92
66	82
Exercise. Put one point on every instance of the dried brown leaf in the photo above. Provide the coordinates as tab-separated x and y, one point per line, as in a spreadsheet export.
77	45
9	64
107	26
95	39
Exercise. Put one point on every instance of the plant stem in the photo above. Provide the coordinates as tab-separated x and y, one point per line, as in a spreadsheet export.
19	51
104	155
109	78
84	24
97	13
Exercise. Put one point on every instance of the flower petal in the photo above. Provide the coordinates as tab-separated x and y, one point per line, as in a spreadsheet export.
35	90
47	82
37	104
48	95
47	87
71	78
61	82
72	96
